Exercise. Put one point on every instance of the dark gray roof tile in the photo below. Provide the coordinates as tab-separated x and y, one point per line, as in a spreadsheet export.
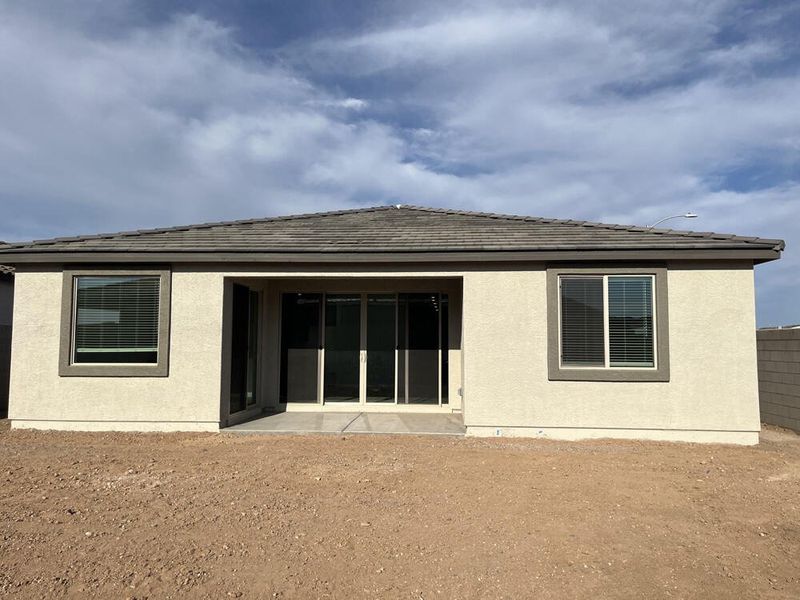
392	229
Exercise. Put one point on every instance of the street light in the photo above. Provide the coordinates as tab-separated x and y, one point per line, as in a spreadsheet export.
688	215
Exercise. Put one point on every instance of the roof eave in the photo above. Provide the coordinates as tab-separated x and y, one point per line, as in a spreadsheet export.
21	257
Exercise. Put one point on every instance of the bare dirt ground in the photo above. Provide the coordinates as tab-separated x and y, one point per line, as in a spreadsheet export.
217	516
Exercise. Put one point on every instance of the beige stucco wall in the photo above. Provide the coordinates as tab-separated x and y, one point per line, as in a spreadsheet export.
188	399
712	394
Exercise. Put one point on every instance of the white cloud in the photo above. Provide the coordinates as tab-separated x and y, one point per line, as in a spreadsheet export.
354	103
624	116
162	125
625	112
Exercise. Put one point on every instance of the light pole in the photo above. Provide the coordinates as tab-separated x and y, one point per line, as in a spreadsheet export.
688	215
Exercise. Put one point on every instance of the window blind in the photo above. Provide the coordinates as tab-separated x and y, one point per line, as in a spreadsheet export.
582	327
116	319
630	321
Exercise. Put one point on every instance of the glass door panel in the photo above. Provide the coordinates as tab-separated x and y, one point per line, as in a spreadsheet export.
244	348
418	337
342	372
445	346
381	331
300	344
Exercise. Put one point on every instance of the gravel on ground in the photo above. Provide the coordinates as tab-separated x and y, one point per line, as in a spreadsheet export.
118	515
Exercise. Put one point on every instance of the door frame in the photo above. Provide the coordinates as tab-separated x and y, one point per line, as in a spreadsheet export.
227	417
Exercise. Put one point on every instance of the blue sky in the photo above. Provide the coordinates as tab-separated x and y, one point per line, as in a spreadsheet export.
121	115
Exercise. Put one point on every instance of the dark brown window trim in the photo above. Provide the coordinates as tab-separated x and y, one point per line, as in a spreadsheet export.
68	369
558	373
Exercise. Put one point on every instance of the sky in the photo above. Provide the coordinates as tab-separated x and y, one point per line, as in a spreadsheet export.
119	115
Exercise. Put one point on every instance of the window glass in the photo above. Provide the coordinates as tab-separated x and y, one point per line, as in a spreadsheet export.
342	369
381	347
582	328
418	348
244	348
445	348
630	321
626	339
300	345
116	319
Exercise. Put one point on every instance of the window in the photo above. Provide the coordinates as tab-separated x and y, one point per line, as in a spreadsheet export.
607	321
116	320
608	325
582	326
115	323
631	337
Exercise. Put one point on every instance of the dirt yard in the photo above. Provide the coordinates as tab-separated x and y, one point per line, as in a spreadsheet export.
216	516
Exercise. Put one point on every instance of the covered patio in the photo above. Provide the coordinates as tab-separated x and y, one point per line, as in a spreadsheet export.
342	345
354	422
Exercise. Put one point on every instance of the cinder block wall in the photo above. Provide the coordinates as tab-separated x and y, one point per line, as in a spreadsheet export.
779	376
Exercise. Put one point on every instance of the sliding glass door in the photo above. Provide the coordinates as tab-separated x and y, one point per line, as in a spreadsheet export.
419	346
244	349
364	348
342	373
301	316
381	347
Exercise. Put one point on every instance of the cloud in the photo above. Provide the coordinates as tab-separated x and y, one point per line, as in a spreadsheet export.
624	113
624	116
163	125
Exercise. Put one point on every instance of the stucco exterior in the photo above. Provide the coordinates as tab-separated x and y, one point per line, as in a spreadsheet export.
188	399
500	367
712	395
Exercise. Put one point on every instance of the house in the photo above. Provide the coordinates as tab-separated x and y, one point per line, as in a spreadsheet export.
6	303
525	326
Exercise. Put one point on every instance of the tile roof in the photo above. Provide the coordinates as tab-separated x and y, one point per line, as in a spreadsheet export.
387	229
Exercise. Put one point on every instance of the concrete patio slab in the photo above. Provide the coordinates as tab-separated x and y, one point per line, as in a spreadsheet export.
299	422
332	422
418	423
